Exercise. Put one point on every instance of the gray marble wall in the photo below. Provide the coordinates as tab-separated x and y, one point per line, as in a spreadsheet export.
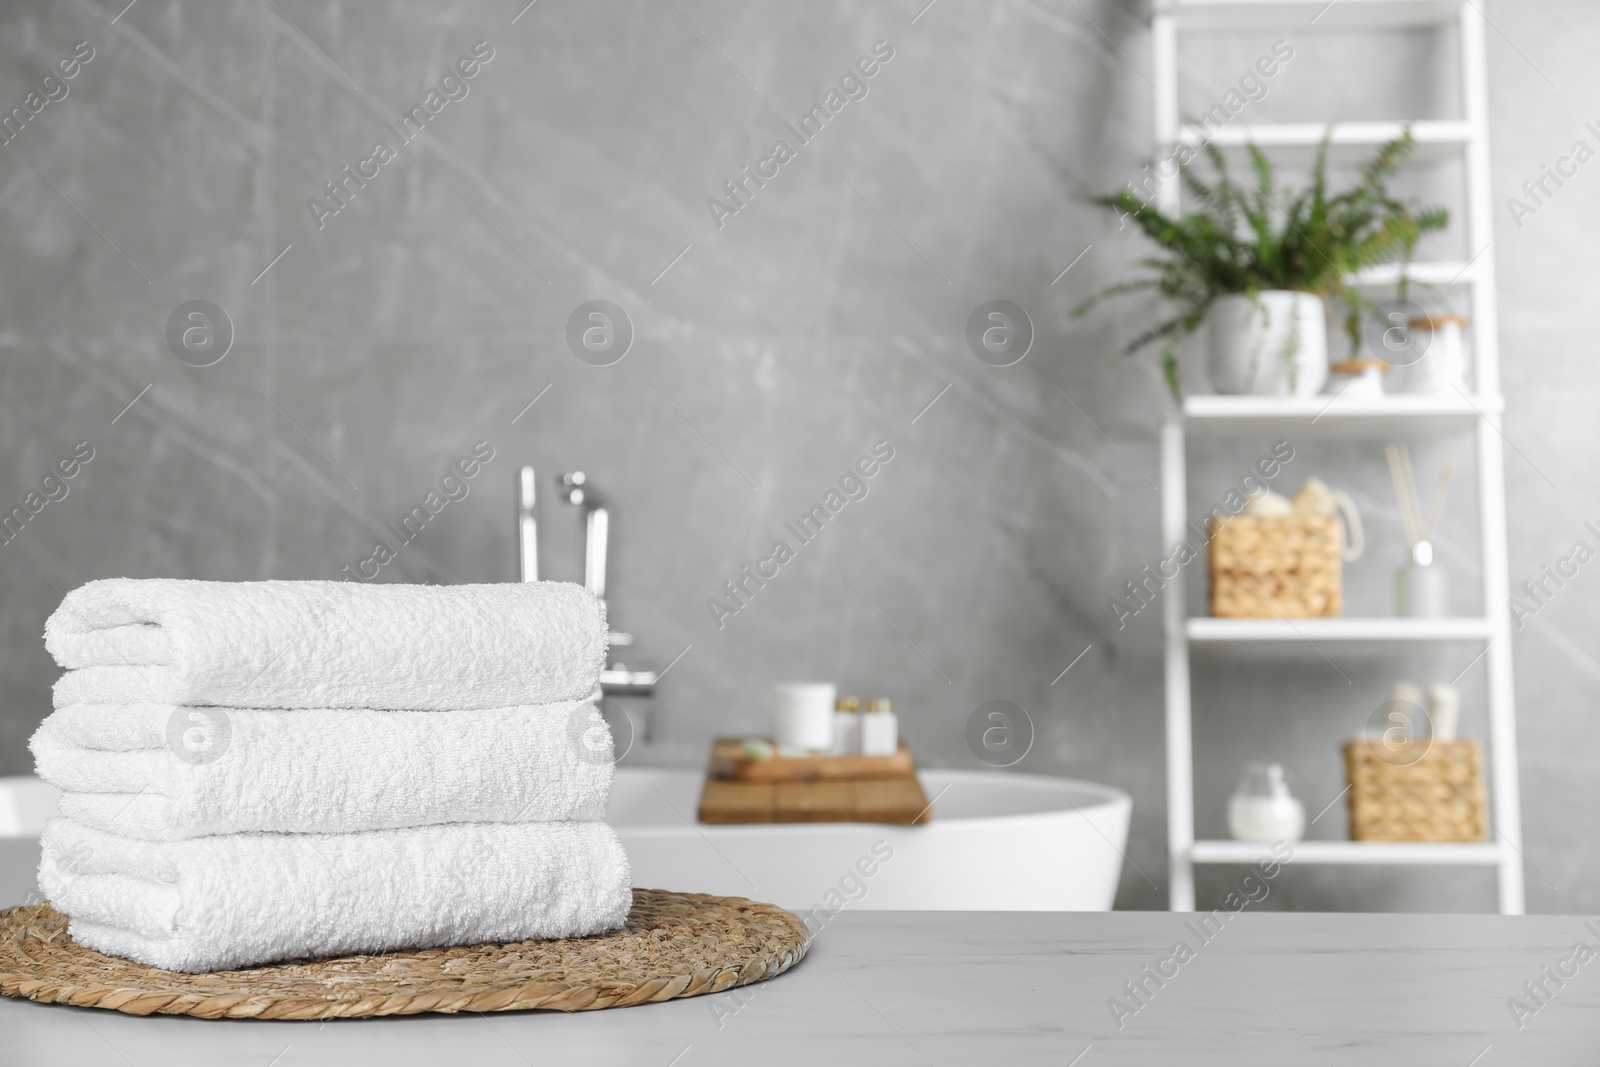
374	345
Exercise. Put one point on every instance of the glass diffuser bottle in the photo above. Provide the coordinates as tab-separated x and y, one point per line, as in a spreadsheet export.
1262	809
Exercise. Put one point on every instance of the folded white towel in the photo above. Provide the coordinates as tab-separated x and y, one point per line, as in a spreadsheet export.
162	773
238	900
326	644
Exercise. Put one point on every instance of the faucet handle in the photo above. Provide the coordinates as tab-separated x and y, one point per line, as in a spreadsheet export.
573	482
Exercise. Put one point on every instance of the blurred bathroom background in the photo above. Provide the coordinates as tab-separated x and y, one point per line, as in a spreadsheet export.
770	352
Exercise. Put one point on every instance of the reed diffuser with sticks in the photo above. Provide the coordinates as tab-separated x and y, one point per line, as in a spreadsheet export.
1422	588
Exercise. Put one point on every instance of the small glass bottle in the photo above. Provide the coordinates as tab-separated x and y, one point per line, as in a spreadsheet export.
847	727
1422	588
1262	809
880	730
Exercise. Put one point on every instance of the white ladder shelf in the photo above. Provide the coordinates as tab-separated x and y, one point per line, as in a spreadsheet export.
1379	419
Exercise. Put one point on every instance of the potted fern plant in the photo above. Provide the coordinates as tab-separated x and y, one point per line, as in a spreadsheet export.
1260	272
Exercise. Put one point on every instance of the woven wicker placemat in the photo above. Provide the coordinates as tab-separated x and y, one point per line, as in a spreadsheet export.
673	945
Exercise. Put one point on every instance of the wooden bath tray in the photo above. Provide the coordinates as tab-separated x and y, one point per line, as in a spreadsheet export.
786	789
729	761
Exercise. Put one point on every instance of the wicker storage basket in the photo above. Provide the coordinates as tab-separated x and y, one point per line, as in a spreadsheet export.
1280	565
1433	792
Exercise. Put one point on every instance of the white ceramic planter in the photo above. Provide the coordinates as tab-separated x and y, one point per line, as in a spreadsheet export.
1272	344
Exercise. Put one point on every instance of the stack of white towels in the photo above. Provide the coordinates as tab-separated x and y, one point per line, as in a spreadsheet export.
260	771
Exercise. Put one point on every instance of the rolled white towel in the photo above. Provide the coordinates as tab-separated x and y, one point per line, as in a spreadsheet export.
160	772
326	644
238	900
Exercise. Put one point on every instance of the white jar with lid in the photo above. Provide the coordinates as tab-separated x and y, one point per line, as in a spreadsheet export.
802	715
1442	367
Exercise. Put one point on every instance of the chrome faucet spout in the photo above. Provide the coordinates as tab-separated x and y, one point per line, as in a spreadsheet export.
596	534
527	524
573	488
596	528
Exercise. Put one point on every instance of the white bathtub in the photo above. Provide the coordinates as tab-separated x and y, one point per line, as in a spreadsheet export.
25	803
997	842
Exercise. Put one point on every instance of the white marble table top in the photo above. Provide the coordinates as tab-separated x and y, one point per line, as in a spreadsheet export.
937	988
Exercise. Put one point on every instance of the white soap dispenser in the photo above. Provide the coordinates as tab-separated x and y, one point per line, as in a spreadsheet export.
880	730
847	727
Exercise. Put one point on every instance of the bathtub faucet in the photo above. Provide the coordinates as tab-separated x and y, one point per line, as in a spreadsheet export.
617	679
